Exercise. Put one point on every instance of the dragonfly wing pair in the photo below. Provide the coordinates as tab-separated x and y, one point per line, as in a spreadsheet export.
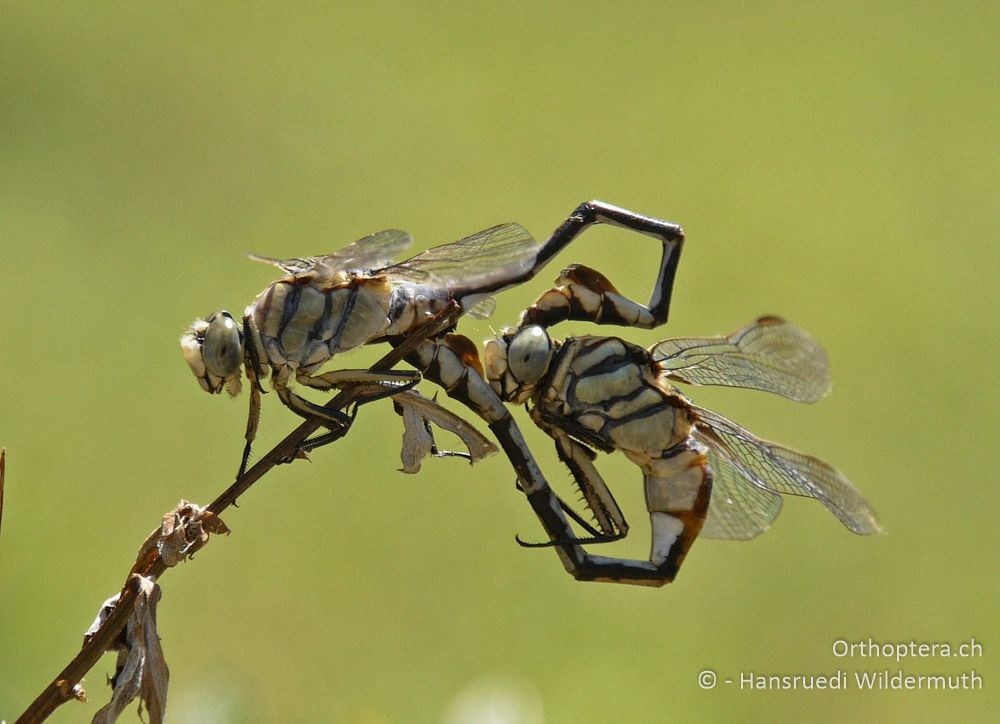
750	474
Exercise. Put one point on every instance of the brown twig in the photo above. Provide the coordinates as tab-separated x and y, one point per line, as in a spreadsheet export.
65	685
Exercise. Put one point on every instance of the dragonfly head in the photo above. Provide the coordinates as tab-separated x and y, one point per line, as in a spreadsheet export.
516	360
213	349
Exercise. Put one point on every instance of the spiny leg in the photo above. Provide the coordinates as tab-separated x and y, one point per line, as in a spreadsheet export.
374	386
568	510
306	409
363	394
255	366
366	387
598	212
253	421
428	412
596	495
392	381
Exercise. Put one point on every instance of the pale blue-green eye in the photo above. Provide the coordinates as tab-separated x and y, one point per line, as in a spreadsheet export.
222	348
529	354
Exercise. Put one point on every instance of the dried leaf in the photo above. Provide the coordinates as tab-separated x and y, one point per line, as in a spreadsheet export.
418	442
182	532
102	615
213	523
141	669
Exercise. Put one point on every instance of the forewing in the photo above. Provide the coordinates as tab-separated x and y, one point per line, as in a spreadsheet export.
781	470
372	252
770	355
290	266
739	510
486	262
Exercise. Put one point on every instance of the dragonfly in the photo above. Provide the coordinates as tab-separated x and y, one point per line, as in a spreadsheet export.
703	473
325	305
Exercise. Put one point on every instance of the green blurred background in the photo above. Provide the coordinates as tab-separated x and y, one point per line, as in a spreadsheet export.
835	164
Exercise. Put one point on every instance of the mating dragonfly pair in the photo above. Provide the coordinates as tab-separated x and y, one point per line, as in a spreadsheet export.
703	473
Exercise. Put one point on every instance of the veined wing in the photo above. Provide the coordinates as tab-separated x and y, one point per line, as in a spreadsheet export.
770	355
372	252
483	309
778	469
739	510
488	261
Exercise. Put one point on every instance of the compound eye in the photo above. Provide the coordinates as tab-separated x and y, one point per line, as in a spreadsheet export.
529	354
222	348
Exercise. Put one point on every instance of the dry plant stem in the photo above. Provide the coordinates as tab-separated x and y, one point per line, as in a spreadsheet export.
61	689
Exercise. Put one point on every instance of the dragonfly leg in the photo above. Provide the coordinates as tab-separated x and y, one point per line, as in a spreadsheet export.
368	387
254	355
427	412
393	381
253	420
597	498
618	309
304	408
301	406
596	495
256	368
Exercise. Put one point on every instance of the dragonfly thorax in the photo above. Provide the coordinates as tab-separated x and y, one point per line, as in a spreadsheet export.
304	325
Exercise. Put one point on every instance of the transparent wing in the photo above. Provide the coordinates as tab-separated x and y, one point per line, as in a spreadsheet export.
739	510
372	252
770	355
483	309
778	469
291	266
486	262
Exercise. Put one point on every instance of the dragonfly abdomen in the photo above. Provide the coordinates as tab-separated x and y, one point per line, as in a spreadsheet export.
409	304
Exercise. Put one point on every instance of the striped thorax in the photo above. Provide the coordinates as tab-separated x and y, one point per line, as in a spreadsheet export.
605	385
